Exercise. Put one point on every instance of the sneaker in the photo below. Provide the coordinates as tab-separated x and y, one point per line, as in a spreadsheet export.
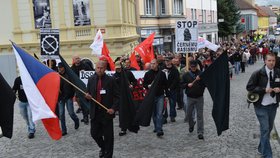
64	133
77	124
159	134
200	136
31	135
172	119
122	133
79	110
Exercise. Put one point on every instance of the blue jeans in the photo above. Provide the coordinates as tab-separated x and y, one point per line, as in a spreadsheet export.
25	112
237	67
70	109
157	115
266	116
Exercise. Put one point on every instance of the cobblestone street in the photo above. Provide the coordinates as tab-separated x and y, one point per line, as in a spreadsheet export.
240	141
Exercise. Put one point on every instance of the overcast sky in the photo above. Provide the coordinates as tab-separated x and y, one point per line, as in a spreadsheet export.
268	2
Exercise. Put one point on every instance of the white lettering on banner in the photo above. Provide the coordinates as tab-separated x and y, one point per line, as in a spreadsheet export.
138	92
84	75
186	36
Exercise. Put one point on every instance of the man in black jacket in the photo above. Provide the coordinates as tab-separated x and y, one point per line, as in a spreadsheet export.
149	78
266	83
132	82
194	90
24	107
173	84
66	95
77	67
103	88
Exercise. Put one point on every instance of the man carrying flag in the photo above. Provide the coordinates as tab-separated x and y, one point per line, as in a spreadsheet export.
103	89
152	106
41	86
8	98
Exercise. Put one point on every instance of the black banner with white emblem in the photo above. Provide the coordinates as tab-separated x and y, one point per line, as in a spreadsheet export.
49	43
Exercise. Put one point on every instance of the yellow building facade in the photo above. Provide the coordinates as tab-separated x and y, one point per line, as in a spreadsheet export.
77	21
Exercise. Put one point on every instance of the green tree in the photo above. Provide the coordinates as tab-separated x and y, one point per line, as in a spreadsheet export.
228	11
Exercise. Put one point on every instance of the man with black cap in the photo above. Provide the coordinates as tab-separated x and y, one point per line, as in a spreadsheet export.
194	91
66	95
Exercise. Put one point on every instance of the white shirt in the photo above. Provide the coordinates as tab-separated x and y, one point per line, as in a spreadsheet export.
267	99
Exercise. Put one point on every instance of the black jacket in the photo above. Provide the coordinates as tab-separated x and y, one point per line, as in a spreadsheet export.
198	87
149	78
132	80
173	80
19	88
258	81
109	100
82	66
66	90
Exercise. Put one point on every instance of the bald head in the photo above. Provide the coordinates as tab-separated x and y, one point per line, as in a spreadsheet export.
76	60
100	68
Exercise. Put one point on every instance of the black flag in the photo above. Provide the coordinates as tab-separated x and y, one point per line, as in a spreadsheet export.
77	82
146	109
216	79
127	106
7	97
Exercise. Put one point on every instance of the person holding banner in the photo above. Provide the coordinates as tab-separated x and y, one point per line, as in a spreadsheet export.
77	67
103	89
149	78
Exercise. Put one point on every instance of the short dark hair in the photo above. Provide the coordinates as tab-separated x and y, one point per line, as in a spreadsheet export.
270	54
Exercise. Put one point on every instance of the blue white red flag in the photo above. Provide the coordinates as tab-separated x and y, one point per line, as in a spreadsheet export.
41	85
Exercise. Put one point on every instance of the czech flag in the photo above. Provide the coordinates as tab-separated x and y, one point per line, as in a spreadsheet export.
41	86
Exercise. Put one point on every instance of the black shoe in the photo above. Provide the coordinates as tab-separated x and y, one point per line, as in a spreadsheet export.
164	121
192	128
159	134
101	153
79	110
85	120
31	135
77	124
179	108
172	119
122	133
200	136
64	133
155	131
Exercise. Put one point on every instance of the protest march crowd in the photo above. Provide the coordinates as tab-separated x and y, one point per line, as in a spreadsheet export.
170	82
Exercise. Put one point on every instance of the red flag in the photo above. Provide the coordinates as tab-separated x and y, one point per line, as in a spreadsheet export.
146	49
106	55
134	61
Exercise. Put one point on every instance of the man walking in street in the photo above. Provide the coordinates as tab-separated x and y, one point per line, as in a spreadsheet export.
149	78
103	88
266	83
24	107
194	90
66	95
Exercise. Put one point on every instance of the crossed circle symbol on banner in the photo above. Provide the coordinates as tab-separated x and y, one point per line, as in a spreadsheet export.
50	44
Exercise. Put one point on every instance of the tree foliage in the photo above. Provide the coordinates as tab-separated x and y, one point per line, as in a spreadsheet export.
228	11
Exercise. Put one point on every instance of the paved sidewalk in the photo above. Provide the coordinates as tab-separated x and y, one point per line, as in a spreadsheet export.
240	141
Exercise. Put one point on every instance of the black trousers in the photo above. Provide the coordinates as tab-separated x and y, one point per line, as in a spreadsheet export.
242	66
103	133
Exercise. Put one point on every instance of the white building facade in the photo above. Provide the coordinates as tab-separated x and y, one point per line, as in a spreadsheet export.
205	11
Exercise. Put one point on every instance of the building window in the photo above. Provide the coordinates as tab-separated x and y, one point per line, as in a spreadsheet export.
178	7
150	5
195	17
205	16
162	7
